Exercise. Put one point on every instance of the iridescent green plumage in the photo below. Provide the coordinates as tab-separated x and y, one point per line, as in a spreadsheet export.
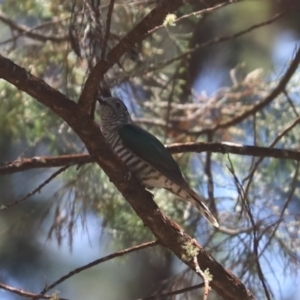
150	149
145	155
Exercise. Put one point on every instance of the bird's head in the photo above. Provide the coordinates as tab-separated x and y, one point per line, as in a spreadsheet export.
113	112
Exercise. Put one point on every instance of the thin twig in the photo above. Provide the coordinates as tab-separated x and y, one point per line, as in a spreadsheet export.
37	162
94	263
173	293
280	88
291	102
204	277
284	208
221	39
256	239
196	13
262	104
25	294
55	174
28	32
282	134
210	181
107	29
137	34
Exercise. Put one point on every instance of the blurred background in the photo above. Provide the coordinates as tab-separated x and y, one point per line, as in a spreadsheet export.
179	82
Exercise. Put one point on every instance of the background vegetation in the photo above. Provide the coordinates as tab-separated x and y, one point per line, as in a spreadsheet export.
219	75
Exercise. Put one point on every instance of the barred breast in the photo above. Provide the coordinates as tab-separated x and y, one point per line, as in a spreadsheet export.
149	176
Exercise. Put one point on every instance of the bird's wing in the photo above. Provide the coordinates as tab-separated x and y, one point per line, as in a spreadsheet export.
151	150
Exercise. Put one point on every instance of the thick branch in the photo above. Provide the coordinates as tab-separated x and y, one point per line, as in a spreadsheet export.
24	164
168	233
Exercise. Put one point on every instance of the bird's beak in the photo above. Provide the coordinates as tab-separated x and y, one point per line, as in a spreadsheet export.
102	101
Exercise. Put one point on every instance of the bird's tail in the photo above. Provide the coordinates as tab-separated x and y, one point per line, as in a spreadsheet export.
199	203
187	194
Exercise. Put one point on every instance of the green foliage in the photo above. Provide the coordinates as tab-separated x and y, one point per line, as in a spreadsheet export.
159	80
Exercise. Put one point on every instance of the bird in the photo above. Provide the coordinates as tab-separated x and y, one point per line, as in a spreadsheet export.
144	155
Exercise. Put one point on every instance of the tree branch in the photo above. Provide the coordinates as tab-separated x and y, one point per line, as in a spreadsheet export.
280	88
136	35
201	13
94	263
217	40
36	190
173	293
29	32
107	29
36	162
26	294
167	232
24	164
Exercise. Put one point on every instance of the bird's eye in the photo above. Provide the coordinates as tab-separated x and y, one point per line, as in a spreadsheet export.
118	104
